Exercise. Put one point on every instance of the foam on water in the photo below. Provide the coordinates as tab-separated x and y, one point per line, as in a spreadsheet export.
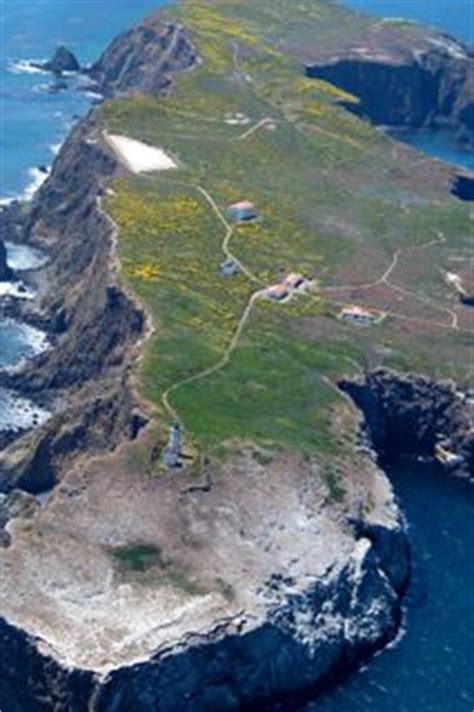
37	178
26	66
18	342
24	257
16	290
18	413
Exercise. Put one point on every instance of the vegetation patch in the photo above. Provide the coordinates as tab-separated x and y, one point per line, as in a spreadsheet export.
145	563
309	171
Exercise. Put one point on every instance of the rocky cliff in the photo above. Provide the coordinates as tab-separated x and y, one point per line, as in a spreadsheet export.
5	272
409	414
306	639
143	59
91	321
405	77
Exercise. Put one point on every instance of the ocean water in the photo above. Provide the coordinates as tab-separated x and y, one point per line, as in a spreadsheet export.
453	16
35	119
430	669
19	341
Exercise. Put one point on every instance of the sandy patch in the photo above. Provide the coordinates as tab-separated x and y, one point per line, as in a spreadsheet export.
138	157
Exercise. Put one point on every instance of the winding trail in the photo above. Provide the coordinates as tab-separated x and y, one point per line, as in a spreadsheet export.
384	279
222	363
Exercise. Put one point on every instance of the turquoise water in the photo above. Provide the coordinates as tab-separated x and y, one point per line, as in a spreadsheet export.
453	16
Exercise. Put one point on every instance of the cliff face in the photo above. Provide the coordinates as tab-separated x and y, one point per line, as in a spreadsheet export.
42	685
408	414
306	639
92	323
405	81
143	59
5	272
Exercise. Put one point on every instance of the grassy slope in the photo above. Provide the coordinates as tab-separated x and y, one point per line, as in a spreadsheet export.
321	214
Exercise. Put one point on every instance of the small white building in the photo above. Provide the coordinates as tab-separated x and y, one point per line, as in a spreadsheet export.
277	292
359	315
244	210
229	268
294	280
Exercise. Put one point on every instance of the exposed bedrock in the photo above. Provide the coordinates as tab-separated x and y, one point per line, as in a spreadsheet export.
305	639
415	88
93	325
409	414
63	61
143	59
6	273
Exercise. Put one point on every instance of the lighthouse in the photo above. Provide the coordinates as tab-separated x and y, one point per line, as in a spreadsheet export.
172	451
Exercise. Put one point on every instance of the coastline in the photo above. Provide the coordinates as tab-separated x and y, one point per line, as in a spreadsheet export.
80	687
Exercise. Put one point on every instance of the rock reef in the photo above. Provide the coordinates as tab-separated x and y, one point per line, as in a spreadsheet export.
63	61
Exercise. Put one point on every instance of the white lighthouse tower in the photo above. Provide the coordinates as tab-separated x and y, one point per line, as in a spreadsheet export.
172	451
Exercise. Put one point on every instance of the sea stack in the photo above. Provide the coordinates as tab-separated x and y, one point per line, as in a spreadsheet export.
6	273
63	61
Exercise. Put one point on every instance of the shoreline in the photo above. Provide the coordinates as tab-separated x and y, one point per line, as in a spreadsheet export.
369	570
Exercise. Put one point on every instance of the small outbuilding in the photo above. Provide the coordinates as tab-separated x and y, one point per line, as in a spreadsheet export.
242	211
229	268
278	292
172	453
359	315
294	280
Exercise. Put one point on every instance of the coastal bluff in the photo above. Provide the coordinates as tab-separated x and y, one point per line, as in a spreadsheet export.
276	559
403	76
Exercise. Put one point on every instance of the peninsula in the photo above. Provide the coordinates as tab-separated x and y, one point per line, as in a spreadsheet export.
240	269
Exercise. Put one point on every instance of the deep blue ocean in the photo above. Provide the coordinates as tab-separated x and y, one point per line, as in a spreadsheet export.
430	669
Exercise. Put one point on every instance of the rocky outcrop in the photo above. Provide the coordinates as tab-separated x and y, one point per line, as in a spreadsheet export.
92	324
143	59
405	78
63	61
306	639
43	684
410	414
6	273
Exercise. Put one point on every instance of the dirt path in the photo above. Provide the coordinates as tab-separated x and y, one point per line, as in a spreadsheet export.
385	279
222	363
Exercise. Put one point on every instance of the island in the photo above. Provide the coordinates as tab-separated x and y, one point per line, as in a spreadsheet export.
247	301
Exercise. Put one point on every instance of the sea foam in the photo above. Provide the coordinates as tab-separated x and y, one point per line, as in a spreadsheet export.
26	66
